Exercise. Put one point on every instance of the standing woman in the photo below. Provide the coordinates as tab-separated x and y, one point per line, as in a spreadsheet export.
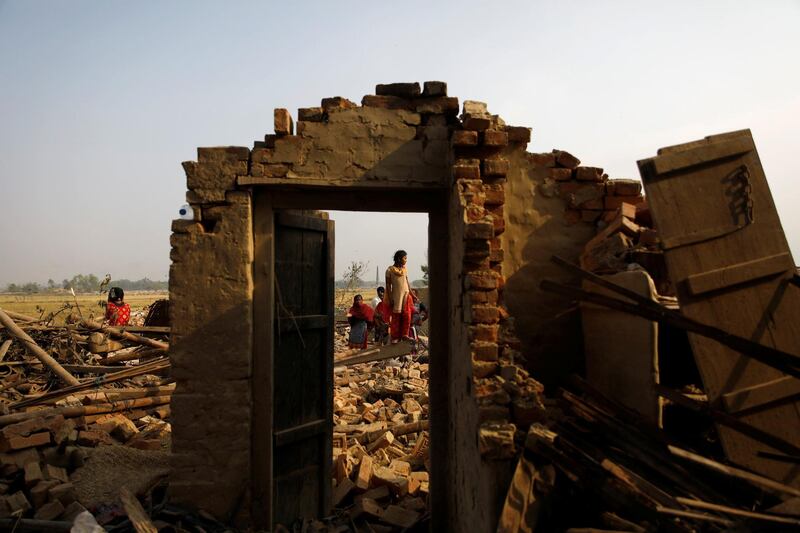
399	296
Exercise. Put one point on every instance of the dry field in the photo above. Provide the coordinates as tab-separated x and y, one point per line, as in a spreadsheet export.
90	304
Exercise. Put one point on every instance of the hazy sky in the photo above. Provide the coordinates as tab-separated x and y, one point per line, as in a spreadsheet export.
100	101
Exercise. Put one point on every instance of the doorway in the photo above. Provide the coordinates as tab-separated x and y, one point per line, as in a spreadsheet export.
293	342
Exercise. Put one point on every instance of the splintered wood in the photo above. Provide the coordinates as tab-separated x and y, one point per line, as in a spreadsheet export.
380	443
67	389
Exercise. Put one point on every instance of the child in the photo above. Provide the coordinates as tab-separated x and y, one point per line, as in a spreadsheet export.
118	313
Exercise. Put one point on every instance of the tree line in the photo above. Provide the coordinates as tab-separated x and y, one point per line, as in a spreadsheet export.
86	283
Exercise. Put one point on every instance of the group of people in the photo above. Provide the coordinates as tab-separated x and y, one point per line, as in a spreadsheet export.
394	313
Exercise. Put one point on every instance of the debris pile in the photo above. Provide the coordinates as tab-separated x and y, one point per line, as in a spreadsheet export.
66	390
630	476
380	441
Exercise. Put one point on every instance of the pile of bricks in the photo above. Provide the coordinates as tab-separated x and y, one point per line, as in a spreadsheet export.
589	194
380	444
39	454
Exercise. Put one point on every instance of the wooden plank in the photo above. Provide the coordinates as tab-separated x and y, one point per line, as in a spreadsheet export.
698	504
731	275
262	380
681	160
786	388
136	513
754	479
300	182
520	509
723	189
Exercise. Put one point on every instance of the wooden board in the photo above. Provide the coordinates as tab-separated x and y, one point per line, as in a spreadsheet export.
728	257
302	367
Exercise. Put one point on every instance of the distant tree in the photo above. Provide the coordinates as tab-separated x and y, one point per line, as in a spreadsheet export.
30	287
352	279
12	287
65	284
424	269
51	284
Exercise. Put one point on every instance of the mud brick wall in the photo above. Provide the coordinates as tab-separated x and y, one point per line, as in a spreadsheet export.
506	216
211	309
555	206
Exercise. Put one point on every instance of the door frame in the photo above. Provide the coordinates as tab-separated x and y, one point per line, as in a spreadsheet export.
436	203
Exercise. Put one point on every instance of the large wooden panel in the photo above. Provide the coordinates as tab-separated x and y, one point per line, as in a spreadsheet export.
724	248
302	366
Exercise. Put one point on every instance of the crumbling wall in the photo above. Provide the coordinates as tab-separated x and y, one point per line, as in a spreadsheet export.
211	313
555	206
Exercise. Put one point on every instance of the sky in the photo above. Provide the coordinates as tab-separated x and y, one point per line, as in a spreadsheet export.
101	100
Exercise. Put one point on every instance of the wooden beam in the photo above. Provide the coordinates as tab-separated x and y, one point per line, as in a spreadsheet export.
34	349
778	359
754	479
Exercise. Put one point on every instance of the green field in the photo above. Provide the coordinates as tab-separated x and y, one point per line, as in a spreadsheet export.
90	304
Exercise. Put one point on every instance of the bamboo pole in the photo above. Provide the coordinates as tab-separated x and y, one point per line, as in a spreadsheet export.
129	372
34	349
122	334
81	410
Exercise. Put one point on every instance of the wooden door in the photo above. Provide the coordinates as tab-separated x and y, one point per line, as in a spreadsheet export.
302	367
727	254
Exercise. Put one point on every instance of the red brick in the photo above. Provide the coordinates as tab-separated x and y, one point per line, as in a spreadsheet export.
596	203
485	351
518	134
498	267
310	114
542	160
434	88
483	369
386	102
474	212
476	122
495	194
496	256
483	229
465	138
566	159
337	102
475	263
483	297
404	90
484	333
572	216
16	442
589	174
496	166
476	250
624	187
615	202
481	280
559	174
284	125
444	105
484	314
467	169
495	138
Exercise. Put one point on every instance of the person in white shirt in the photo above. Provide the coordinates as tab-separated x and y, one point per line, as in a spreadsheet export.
378	299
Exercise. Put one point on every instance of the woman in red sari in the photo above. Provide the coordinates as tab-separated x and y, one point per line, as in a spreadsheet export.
360	317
